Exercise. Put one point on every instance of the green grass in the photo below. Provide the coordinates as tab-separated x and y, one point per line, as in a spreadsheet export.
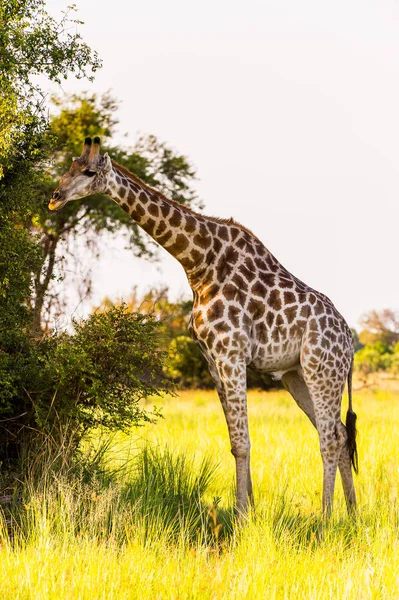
145	530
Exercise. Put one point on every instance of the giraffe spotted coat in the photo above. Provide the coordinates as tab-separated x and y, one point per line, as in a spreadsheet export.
248	310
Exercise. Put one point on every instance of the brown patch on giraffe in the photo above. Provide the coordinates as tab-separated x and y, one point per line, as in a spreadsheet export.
122	192
240	243
249	275
175	219
289	297
222	327
274	300
256	308
296	330
149	225
231	255
270	319
290	313
234	233
196	255
198	320
215	311
229	292
285	283
208	294
165	209
130	199
226	263
239	296
275	333
125	207
261	333
219	347
305	312
143	197
210	338
203	241
137	212
217	245
261	264
153	210
210	257
161	228
228	370
258	289
271	263
279	320
190	224
312	299
249	263
223	233
240	283
234	315
187	263
325	343
319	308
212	227
179	245
268	279
165	237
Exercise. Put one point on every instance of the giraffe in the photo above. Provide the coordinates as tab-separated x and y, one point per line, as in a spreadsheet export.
248	310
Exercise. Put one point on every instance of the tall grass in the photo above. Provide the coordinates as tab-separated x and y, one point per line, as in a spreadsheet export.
143	522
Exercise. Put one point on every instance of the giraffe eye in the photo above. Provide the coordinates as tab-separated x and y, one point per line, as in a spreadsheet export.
89	173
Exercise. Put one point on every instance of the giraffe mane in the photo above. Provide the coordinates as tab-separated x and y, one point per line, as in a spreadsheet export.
133	177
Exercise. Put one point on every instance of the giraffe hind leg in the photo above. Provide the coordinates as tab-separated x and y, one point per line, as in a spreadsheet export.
298	389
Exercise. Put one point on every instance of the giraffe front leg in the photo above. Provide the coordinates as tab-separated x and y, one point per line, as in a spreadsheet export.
230	381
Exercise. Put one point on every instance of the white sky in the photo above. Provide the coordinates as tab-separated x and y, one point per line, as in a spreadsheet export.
289	111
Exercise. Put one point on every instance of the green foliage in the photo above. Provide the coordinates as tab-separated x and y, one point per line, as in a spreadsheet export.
96	377
380	349
101	373
380	326
186	364
33	43
373	358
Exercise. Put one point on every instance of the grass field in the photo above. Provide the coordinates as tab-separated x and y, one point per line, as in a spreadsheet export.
146	531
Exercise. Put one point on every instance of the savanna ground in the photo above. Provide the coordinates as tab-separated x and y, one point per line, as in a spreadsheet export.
142	528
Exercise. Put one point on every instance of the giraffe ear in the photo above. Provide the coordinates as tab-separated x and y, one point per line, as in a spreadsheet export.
106	164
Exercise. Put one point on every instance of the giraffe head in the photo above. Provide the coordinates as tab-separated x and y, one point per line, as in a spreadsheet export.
87	176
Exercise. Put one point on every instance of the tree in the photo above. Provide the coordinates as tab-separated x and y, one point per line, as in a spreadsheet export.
380	326
151	160
31	43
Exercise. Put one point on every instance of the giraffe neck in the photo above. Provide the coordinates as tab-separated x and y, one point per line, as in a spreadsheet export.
182	232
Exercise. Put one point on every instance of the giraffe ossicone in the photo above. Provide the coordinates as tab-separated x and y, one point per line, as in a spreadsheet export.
248	310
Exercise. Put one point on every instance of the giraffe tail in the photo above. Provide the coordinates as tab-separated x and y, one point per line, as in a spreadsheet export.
351	425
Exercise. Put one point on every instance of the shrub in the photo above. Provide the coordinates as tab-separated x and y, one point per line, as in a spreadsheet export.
95	377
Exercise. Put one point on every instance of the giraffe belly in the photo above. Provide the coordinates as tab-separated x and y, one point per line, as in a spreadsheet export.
276	359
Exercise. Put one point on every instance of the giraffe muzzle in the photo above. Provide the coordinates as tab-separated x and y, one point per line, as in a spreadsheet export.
56	201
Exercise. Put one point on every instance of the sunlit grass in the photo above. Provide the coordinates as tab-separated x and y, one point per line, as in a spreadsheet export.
144	533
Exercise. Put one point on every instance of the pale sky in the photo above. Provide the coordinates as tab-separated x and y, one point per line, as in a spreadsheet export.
289	111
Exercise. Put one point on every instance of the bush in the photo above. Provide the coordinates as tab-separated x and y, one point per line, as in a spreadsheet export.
95	377
186	365
373	358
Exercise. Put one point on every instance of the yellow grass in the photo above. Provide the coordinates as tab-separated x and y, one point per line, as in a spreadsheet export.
275	555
